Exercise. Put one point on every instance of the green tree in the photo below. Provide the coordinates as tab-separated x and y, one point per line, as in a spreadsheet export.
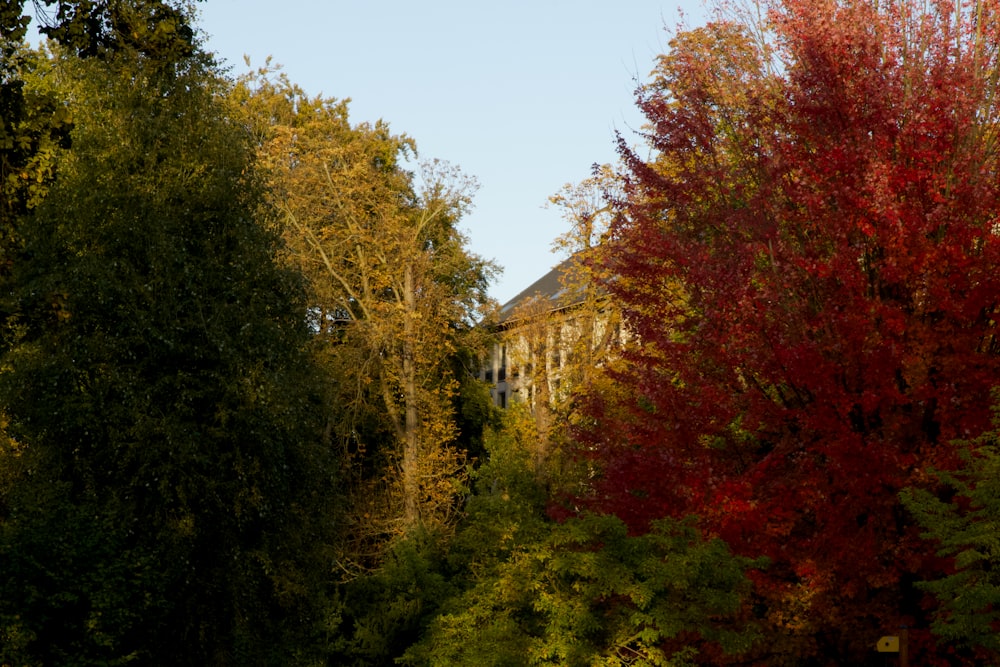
166	496
580	592
963	519
160	31
34	124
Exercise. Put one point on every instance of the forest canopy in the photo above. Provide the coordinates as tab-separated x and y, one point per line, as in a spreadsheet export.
241	335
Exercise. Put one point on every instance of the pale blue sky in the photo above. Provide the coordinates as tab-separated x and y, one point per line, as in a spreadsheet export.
525	96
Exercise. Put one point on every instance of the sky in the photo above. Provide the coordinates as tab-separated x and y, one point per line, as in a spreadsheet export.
523	95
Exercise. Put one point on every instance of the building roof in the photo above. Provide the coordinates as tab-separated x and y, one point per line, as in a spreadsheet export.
549	288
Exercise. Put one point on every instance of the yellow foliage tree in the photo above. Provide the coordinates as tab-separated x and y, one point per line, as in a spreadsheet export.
394	288
560	340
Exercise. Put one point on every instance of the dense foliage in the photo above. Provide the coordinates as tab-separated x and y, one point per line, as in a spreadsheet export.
964	525
394	295
533	591
162	470
238	337
810	262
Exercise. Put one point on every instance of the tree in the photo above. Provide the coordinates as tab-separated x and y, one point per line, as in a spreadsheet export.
33	127
158	31
556	341
166	494
810	261
394	289
965	529
531	351
596	335
579	592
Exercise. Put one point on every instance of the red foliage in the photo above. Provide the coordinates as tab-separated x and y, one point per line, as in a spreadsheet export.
811	263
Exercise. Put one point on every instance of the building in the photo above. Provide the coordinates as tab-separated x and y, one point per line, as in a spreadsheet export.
549	334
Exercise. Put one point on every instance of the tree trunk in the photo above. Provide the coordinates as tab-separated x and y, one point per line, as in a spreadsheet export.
542	398
411	444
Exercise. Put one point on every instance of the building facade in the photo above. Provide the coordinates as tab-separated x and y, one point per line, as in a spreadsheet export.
549	335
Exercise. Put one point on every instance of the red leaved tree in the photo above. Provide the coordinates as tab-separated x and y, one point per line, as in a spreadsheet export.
809	262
